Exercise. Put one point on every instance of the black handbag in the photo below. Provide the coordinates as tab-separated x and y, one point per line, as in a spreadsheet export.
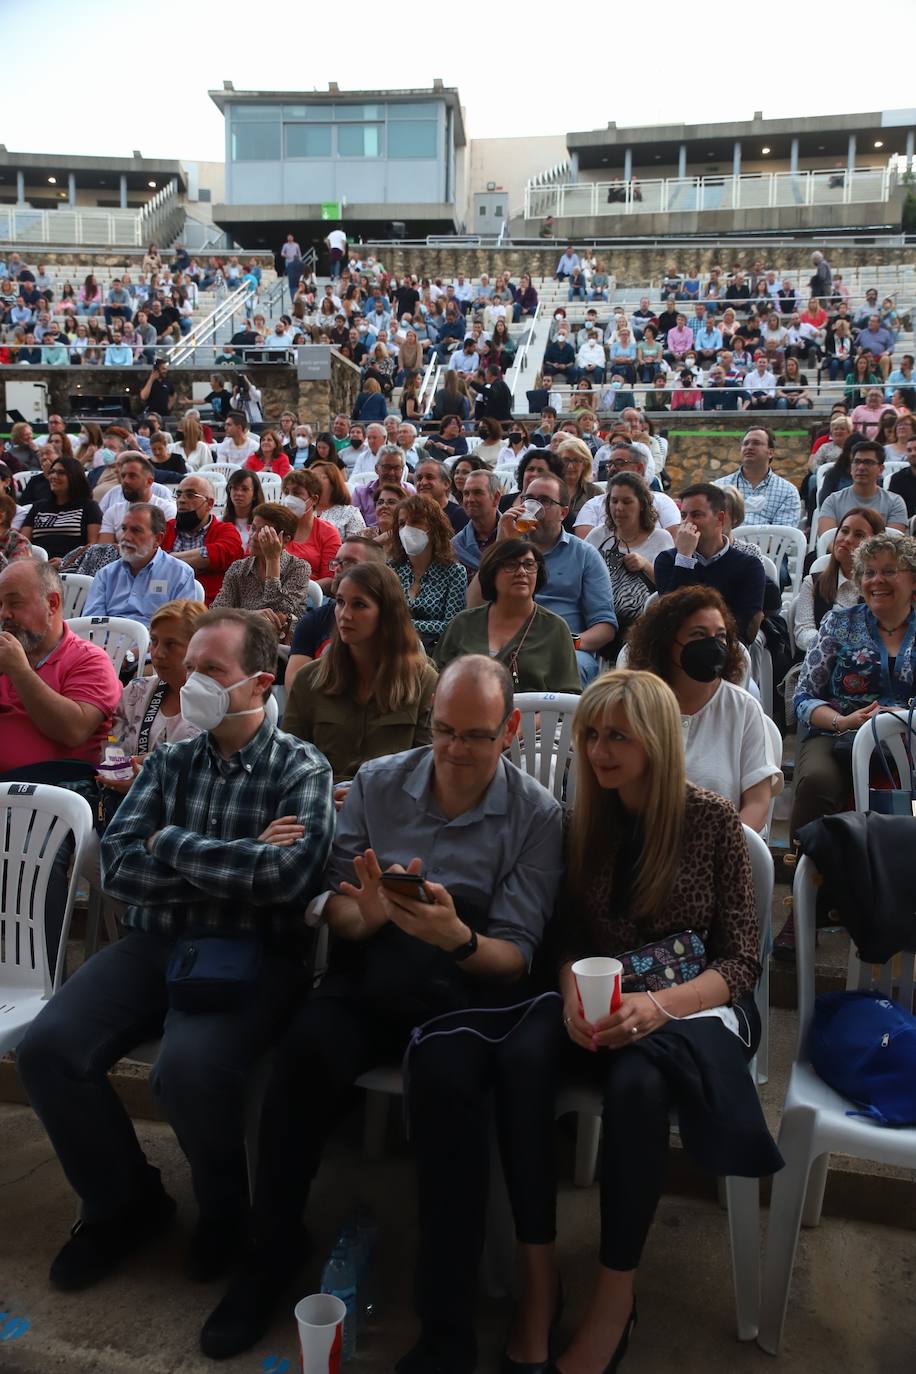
894	801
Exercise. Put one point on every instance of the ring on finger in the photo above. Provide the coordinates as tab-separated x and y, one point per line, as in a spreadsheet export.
634	1029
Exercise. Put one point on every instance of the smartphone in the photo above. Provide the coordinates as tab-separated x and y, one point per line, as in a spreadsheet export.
411	885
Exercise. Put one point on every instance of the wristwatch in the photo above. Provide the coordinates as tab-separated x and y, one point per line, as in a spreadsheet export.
465	951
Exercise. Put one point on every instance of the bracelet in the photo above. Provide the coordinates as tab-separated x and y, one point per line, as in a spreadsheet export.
670	1014
833	723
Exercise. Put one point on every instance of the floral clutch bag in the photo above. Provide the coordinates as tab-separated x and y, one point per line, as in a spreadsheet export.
661	964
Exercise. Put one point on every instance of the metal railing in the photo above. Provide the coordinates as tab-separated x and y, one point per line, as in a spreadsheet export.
207	327
674	195
521	356
429	385
120	228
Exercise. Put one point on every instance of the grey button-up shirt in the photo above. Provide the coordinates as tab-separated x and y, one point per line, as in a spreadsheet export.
500	862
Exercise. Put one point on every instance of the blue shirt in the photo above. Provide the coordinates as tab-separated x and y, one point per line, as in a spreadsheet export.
117	590
119	355
467	549
708	339
578	585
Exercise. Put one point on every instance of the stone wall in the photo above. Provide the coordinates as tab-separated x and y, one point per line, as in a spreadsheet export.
314	402
92	258
704	447
631	265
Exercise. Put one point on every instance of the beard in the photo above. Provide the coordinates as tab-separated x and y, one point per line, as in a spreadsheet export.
30	640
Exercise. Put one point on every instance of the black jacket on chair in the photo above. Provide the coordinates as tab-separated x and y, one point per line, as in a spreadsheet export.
868	866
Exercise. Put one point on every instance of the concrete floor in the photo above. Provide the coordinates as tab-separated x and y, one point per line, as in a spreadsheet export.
852	1302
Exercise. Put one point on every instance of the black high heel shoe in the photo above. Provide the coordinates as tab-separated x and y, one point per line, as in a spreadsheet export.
616	1359
509	1366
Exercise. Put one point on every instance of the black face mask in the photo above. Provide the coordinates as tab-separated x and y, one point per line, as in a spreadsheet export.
515	438
704	659
356	443
187	520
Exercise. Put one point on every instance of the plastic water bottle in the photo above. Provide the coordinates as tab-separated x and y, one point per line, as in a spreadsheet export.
367	1233
116	764
339	1279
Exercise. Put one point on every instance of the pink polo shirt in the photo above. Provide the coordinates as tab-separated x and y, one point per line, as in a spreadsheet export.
77	670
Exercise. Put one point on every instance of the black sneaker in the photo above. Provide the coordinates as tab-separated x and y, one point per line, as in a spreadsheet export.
784	944
216	1245
96	1248
243	1315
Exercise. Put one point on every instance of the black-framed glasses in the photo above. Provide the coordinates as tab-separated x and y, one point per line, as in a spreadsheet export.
514	565
469	738
544	500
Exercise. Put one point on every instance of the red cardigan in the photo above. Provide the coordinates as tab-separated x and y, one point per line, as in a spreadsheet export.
223	546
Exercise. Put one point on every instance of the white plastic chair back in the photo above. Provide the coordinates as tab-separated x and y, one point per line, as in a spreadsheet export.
892	465
35	819
542	748
39	553
272	709
117	635
820	477
770	569
778	542
506	479
218	483
825	541
271	485
776	746
76	589
199	593
221	469
892	731
21	481
315	595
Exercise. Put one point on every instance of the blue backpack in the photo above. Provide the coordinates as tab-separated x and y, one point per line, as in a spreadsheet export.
864	1046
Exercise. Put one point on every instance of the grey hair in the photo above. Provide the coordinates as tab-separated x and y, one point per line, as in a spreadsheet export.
406	425
903	551
375	428
440	467
48	579
493	481
636	455
157	521
389	451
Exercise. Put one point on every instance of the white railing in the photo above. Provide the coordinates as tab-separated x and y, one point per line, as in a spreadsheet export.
156	212
521	357
674	195
207	327
429	385
119	228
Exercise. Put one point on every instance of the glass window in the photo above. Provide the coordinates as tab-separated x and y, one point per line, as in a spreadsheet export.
308	140
250	114
356	112
413	109
256	142
317	112
359	140
412	138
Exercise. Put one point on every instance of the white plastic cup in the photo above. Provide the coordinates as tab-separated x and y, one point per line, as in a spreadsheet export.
598	981
320	1317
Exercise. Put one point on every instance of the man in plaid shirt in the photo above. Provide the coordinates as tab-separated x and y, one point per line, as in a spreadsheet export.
255	820
768	499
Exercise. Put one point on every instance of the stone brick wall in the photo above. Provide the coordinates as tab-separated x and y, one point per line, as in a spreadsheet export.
704	447
631	265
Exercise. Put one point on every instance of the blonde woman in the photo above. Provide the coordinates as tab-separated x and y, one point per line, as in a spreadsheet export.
576	457
651	860
190	444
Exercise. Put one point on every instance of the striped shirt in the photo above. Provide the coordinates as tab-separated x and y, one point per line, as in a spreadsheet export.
213	875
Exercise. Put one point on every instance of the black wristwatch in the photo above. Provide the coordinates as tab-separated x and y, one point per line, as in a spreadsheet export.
465	951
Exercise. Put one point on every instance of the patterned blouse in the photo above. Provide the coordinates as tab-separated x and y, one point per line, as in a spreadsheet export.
244	588
713	895
346	520
847	667
441	595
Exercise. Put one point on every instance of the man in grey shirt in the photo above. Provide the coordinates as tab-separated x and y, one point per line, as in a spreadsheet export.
867	468
486	839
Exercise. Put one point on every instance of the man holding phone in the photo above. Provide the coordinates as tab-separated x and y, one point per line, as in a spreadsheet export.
441	881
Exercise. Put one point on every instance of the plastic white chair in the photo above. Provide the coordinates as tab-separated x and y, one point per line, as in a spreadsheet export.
892	465
117	635
543	746
825	543
762	672
39	553
271	485
219	469
315	595
35	819
76	589
199	593
272	709
816	1120
21	481
891	727
777	542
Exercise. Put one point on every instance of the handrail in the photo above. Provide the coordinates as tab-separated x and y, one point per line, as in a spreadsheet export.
670	195
207	327
522	354
429	385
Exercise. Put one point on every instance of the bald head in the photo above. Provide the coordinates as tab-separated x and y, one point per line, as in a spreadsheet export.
482	678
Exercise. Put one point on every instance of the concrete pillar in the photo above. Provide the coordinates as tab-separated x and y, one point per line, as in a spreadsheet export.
793	156
628	164
574	166
71	190
736	158
123	190
910	139
682	160
20	188
851	155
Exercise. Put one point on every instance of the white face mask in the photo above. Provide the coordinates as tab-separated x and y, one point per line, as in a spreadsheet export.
413	541
205	702
297	506
301	441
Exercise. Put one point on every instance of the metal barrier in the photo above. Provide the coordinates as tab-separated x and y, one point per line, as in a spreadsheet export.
66	225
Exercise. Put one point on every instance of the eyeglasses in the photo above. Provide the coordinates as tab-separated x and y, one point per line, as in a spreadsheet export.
469	738
525	565
544	500
189	494
340	564
871	573
866	463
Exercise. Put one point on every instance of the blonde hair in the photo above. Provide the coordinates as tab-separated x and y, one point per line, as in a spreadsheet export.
654	717
183	610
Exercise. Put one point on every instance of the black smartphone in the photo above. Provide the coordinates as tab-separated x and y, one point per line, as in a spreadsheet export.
411	885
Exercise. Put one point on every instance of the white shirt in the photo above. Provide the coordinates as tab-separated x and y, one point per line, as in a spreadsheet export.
337	239
111	520
652	545
591	354
116	495
727	747
754	382
228	452
200	457
363	464
804	629
592	513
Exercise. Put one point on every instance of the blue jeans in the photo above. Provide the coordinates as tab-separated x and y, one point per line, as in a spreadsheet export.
589	666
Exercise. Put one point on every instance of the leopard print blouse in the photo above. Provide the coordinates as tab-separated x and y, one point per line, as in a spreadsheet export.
713	894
